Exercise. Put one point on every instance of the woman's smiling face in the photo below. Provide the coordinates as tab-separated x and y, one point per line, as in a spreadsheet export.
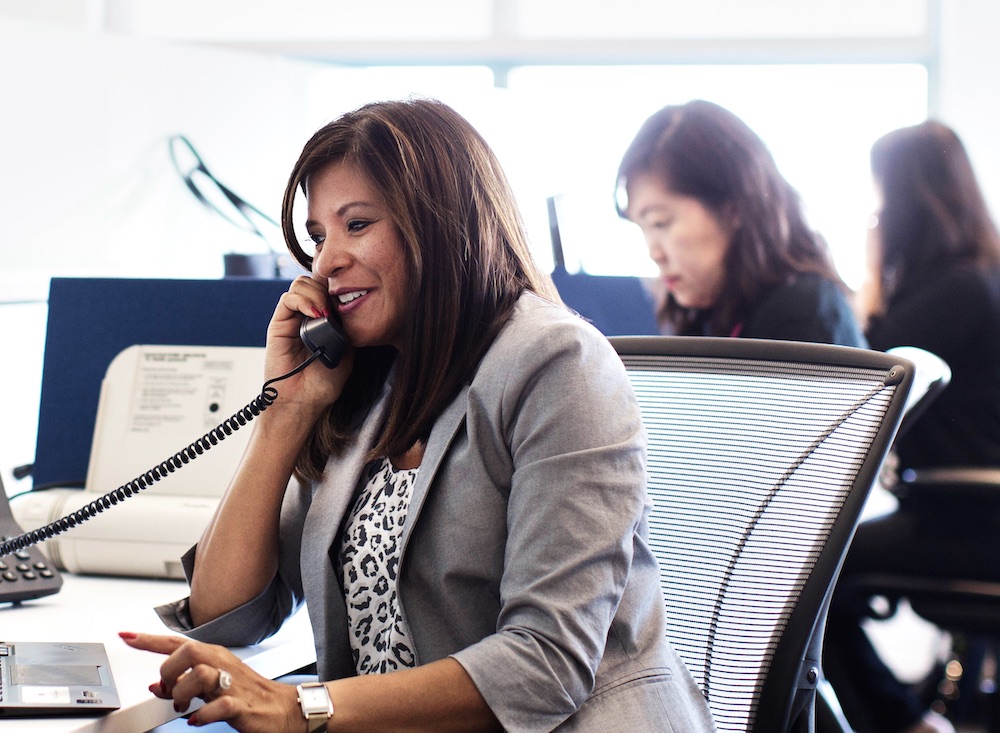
359	255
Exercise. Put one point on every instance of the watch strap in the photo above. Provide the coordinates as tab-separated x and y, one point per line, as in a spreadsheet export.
316	723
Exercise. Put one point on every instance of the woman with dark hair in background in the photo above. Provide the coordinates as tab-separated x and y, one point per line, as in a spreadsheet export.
934	258
934	283
727	232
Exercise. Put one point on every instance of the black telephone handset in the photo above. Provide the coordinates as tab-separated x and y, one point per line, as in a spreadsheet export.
25	573
324	337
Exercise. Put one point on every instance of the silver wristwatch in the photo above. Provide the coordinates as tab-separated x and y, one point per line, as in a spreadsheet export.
317	708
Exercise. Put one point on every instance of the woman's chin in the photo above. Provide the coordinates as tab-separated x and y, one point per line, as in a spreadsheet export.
689	303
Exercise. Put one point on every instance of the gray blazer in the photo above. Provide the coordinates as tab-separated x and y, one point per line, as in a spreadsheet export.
524	553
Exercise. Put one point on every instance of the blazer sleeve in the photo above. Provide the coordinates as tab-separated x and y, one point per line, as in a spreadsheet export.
577	494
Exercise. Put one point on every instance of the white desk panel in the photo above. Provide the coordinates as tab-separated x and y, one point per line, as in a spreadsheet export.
95	609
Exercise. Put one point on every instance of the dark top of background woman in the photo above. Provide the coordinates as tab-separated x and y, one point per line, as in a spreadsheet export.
937	281
808	308
703	151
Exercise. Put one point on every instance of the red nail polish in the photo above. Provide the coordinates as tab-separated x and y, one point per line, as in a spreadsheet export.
128	635
193	719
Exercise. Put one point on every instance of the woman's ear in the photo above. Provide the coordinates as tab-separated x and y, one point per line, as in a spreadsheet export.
729	218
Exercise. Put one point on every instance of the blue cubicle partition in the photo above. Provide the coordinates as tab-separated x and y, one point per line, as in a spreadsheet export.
617	306
91	320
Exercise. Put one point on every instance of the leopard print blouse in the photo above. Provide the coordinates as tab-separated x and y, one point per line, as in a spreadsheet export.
369	560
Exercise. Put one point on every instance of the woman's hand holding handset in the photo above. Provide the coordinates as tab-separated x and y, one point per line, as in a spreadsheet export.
305	298
238	552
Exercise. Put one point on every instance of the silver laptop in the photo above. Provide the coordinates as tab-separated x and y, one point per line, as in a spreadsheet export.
51	678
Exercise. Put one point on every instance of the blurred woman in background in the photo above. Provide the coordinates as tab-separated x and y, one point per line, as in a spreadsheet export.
934	283
728	234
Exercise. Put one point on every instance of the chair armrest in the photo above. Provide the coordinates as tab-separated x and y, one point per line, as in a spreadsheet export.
978	482
951	603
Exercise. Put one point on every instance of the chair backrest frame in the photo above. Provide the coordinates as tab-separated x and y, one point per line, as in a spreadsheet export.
682	385
931	376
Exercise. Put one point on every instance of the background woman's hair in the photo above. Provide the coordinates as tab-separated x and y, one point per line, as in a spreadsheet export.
933	211
704	151
467	255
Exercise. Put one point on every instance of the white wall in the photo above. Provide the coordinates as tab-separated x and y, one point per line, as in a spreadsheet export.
969	102
86	175
86	181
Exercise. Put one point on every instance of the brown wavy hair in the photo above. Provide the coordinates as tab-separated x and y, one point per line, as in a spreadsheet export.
704	151
933	212
467	254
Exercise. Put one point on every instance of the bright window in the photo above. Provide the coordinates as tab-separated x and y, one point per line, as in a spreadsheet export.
561	130
819	122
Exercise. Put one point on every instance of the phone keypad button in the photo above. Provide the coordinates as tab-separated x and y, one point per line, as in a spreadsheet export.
26	574
25	571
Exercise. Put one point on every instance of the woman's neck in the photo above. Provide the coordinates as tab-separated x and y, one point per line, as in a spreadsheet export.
410	459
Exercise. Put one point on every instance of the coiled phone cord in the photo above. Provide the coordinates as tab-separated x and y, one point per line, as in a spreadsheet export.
239	419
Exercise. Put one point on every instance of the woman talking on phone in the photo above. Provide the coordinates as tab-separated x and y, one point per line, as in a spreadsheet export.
461	501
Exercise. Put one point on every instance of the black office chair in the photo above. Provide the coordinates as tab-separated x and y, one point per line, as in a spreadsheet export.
931	375
761	457
955	603
958	604
967	608
963	605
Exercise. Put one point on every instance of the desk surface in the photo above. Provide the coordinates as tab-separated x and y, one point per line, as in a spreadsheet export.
90	608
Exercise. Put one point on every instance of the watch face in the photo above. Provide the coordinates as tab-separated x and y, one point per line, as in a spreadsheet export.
314	699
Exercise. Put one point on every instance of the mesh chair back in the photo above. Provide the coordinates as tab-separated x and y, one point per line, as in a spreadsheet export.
761	455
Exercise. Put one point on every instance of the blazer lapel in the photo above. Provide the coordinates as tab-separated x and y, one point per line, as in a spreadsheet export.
330	502
441	437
